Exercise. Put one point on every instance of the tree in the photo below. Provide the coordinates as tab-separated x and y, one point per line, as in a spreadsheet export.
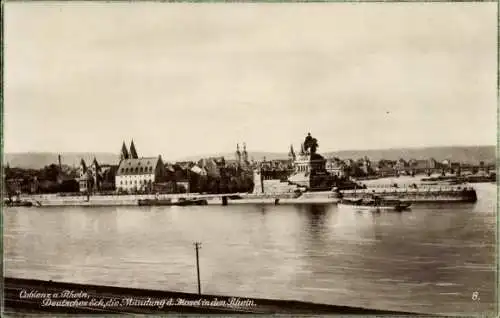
50	173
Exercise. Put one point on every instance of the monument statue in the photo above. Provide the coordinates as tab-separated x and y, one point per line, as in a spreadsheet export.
310	144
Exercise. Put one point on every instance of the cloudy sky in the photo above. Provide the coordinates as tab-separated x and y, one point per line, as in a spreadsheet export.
186	79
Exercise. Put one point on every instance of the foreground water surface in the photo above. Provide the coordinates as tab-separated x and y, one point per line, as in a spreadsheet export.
430	259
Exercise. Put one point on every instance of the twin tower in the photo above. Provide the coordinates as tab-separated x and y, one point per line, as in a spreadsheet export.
241	157
125	154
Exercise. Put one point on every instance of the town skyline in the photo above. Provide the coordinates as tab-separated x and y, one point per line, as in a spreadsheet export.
187	80
464	154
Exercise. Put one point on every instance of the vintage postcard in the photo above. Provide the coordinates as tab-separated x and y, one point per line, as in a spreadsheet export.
259	158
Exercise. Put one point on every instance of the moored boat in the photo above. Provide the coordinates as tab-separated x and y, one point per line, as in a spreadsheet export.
184	202
170	202
155	202
13	203
419	194
374	204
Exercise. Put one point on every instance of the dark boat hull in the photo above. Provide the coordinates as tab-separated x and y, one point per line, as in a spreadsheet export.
20	203
158	202
148	202
420	195
192	202
373	208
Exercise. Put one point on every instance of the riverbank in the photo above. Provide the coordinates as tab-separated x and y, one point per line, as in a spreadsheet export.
414	193
55	200
38	296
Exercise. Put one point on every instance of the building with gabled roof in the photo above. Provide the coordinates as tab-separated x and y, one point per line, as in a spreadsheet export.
212	166
89	176
336	167
134	173
139	174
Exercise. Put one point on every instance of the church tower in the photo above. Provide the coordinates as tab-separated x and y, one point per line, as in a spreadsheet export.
245	154
238	154
83	166
291	153
96	170
133	152
124	154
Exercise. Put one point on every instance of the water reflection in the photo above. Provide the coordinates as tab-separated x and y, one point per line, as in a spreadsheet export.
317	215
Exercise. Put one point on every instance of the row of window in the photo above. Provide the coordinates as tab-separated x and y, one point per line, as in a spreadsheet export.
302	168
137	177
132	182
137	170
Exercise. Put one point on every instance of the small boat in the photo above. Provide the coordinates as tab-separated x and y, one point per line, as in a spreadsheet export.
155	202
12	203
184	202
169	202
374	204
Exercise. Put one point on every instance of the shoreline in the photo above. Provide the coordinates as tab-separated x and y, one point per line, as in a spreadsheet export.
27	295
426	193
55	200
420	195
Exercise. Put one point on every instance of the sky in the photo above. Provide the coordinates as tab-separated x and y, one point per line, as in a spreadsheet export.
188	79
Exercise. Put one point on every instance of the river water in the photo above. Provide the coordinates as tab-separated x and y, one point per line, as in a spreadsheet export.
430	259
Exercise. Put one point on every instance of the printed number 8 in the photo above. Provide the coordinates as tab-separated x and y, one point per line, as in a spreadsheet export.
475	295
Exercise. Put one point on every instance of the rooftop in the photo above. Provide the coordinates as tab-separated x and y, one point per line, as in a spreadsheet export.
137	166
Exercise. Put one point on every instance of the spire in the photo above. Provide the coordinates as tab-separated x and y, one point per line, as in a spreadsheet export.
291	154
302	151
124	154
238	153
245	154
133	152
96	164
83	165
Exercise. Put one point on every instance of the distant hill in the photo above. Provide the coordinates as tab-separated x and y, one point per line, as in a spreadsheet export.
464	154
256	155
37	160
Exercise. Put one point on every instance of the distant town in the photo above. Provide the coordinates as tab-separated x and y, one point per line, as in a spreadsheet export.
304	167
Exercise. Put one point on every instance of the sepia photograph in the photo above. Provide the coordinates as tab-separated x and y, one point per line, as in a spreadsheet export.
249	158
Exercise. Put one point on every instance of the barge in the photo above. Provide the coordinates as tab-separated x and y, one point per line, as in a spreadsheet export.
323	197
14	203
374	204
170	202
430	194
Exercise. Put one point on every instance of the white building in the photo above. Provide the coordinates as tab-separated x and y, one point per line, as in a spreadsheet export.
138	174
335	167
